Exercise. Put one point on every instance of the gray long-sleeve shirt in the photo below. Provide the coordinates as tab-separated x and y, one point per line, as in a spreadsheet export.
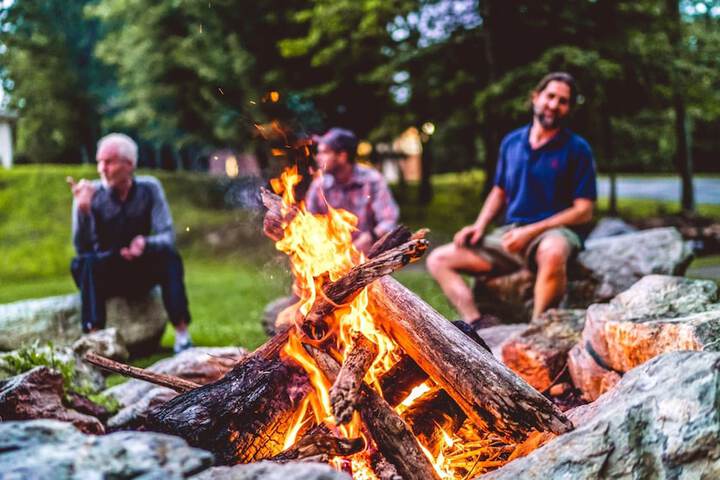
111	224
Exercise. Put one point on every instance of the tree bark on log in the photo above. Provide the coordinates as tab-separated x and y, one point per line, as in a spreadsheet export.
345	392
175	383
394	439
489	393
246	415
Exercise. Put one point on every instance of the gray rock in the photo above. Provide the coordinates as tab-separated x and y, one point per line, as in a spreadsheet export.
141	323
273	471
134	415
660	421
620	261
42	449
107	343
658	314
200	365
610	227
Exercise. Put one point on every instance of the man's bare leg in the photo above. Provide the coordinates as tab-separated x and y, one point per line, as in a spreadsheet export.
551	257
445	264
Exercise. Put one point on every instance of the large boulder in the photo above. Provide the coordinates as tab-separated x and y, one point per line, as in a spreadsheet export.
539	354
660	421
606	267
41	449
107	343
39	393
273	471
658	314
140	322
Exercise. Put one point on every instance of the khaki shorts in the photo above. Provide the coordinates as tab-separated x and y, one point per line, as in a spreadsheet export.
502	261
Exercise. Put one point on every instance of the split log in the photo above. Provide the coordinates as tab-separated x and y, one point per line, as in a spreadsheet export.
246	415
391	239
275	219
345	392
490	394
393	437
176	383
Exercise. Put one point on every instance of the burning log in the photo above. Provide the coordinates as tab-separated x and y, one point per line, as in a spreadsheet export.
430	415
320	445
490	394
246	415
398	382
176	383
394	439
345	392
363	275
391	239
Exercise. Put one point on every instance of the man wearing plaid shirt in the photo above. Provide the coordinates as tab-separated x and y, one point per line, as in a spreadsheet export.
356	188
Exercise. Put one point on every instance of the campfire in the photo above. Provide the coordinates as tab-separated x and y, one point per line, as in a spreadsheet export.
362	373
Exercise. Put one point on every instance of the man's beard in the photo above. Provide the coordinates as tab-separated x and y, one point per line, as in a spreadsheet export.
550	123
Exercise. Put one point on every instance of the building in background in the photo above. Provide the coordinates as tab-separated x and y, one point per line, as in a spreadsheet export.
7	120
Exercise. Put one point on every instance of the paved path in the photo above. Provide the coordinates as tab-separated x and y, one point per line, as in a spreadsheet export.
707	190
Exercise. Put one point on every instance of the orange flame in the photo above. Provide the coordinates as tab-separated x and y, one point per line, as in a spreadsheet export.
320	249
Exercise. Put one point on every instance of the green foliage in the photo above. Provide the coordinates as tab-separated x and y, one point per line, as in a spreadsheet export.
26	358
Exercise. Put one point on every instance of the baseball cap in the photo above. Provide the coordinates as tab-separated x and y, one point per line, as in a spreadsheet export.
339	140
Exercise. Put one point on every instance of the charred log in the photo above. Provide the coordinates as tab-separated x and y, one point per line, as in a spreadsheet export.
430	415
398	382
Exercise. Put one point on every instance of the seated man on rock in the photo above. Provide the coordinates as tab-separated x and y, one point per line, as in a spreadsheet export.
124	239
545	182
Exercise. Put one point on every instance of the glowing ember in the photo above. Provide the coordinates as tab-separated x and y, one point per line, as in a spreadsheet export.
320	249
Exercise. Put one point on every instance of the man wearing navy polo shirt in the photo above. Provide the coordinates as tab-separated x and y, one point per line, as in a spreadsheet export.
545	182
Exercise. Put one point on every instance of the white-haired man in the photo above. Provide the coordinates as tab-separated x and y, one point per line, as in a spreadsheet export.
124	239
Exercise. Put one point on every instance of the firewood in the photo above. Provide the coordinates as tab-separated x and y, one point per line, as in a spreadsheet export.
391	239
345	392
392	436
275	219
246	415
176	383
490	394
319	444
382	468
431	412
343	289
399	381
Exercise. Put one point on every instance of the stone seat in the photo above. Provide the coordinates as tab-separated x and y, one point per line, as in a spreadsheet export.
140	322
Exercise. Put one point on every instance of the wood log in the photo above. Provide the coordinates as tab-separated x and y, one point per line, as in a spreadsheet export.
176	383
430	413
319	444
391	239
382	468
393	437
343	289
275	219
397	383
345	392
246	415
490	394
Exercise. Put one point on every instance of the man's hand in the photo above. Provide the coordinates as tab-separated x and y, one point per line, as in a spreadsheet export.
83	192
469	235
363	242
518	238
135	249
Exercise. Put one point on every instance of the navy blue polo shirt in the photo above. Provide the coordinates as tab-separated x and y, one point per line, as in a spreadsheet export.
540	183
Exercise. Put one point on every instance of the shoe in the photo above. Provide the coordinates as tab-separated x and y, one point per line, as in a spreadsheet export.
182	346
471	333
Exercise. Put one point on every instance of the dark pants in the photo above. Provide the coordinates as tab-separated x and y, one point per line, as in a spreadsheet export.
101	275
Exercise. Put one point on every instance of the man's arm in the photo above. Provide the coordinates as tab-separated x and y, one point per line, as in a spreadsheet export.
493	205
162	231
82	221
580	212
